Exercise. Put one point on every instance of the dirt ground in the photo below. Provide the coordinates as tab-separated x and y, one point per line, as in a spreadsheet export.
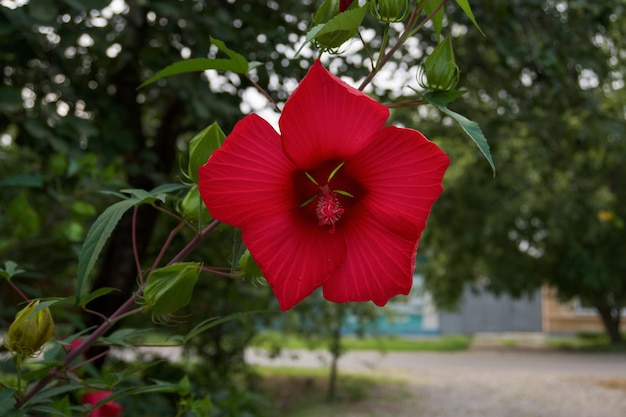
475	384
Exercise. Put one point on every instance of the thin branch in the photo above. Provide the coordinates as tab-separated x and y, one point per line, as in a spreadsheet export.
382	61
263	91
217	271
406	103
17	289
175	216
367	51
165	246
427	18
134	243
91	359
194	242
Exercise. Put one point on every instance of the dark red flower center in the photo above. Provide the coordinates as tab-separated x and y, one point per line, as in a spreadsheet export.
326	194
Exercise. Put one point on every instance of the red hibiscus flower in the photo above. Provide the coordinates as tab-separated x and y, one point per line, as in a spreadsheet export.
336	200
110	409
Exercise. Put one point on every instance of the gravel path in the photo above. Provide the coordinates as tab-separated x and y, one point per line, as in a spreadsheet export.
482	383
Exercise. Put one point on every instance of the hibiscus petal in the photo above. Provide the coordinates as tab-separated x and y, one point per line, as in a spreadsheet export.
249	177
327	119
295	258
378	265
401	172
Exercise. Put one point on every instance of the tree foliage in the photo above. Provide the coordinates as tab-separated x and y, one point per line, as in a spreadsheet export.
551	94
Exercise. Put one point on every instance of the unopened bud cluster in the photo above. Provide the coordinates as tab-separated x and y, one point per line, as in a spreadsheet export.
390	10
30	330
440	70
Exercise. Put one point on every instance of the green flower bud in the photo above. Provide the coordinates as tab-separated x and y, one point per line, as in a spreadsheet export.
339	26
30	330
170	288
390	10
328	10
440	70
249	266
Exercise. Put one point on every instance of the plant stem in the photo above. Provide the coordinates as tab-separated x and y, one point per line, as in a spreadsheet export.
264	92
195	242
120	313
382	61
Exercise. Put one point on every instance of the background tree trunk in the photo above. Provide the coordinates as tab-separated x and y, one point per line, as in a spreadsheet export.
611	320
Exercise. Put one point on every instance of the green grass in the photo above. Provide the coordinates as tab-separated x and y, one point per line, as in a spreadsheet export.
303	392
270	340
586	342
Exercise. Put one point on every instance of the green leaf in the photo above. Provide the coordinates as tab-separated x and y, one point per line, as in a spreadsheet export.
112	379
170	288
201	147
235	63
464	4
97	293
10	270
6	398
437	19
132	391
50	391
31	181
440	100
202	407
96	238
165	189
192	207
102	228
249	266
215	321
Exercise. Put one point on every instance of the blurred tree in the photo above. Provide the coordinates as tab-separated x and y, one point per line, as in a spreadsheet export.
548	91
73	122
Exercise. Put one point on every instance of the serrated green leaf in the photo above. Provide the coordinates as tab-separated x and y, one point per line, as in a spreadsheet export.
469	127
235	63
201	147
166	188
97	293
138	194
97	236
115	194
464	4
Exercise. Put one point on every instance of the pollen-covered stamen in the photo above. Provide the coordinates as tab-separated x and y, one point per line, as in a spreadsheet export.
328	208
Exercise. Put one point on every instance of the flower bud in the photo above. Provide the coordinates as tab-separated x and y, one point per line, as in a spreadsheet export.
390	10
108	409
440	70
170	288
341	22
344	4
30	330
248	266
